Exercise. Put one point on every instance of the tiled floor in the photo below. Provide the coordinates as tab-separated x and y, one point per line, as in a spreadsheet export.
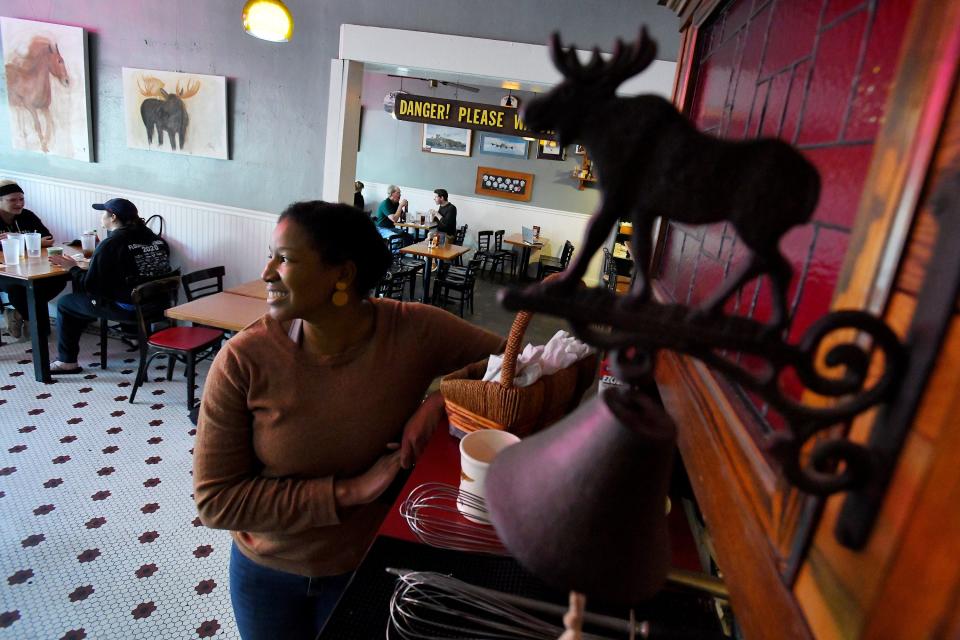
99	536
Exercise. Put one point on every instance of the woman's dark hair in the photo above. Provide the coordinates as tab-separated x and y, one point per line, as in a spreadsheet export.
341	233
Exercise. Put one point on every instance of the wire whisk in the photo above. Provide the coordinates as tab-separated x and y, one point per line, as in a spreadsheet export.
431	606
432	514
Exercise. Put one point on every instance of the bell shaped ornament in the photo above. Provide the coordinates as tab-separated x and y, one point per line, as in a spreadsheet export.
582	505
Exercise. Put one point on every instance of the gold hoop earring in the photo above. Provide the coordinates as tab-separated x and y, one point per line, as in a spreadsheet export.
340	296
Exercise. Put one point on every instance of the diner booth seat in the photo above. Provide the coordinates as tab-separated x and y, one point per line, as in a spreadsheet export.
176	343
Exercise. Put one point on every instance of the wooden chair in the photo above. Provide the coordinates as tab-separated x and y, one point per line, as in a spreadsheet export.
459	239
484	238
204	282
549	264
457	287
500	256
127	331
176	343
391	286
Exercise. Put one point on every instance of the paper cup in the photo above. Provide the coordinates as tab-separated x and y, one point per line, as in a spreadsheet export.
11	250
54	251
32	242
477	451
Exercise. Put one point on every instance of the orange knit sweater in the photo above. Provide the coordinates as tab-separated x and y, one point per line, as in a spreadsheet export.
276	428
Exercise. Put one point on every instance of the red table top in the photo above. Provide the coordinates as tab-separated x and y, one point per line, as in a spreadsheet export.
440	462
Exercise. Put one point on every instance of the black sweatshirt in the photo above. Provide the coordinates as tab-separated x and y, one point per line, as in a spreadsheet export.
130	256
24	222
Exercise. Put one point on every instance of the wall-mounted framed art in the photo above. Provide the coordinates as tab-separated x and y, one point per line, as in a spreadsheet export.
449	140
550	150
579	150
47	89
512	185
498	145
182	113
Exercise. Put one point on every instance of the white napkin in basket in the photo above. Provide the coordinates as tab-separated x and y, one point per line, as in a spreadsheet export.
561	351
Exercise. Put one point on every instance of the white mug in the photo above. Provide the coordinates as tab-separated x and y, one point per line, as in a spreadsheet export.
477	451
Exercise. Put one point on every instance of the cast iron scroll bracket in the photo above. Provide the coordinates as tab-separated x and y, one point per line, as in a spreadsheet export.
636	332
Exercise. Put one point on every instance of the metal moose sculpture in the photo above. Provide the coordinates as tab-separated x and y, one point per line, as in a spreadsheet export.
165	112
652	161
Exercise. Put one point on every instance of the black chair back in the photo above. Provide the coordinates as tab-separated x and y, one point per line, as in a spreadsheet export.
391	286
566	254
461	236
498	240
395	243
483	241
204	282
151	299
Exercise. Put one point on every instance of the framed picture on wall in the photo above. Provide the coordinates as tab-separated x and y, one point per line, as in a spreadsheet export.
449	140
579	150
550	150
499	145
500	183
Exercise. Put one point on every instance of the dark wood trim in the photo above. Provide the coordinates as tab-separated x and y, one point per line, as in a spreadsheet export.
763	604
929	59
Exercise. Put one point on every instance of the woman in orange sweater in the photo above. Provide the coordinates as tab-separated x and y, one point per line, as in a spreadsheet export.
309	413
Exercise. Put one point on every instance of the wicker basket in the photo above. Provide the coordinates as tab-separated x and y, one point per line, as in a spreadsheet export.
473	404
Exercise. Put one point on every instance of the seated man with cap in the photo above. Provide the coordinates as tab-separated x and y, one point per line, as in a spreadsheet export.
131	254
16	218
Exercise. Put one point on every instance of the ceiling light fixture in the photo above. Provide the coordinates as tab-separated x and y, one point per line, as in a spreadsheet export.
268	20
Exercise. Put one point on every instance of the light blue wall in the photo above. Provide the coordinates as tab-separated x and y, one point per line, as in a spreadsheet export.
277	94
390	152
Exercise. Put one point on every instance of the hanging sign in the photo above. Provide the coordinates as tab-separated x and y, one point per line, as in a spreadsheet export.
464	115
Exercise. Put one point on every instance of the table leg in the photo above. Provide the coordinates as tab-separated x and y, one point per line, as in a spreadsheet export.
428	268
39	317
524	263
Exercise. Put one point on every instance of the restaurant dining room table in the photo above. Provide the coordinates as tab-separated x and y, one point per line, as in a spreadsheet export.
416	228
227	311
252	289
422	249
26	274
516	239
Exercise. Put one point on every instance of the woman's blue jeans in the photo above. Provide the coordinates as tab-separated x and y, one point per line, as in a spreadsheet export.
270	604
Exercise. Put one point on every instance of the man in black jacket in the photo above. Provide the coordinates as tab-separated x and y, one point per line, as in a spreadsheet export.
130	255
446	213
16	218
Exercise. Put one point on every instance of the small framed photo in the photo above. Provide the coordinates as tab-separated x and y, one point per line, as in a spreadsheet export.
550	150
498	145
579	150
449	140
512	185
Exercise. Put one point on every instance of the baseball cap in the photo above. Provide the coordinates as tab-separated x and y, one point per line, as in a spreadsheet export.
122	208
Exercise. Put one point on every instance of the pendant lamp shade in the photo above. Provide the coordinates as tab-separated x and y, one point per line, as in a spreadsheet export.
581	505
268	20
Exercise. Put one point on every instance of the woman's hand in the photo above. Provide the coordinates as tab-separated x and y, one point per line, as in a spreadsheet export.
368	486
46	241
419	428
63	261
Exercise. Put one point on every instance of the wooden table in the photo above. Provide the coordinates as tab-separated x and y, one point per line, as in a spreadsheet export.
446	252
417	228
228	311
27	274
516	239
253	289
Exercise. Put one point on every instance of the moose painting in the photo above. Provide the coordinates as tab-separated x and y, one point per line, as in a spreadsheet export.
45	69
183	113
652	162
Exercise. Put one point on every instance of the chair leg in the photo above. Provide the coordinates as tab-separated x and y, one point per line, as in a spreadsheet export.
103	344
191	374
171	363
141	374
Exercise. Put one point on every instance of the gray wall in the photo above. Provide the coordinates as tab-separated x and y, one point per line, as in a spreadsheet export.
277	94
390	151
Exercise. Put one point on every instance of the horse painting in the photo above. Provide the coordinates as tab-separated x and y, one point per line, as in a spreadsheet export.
28	85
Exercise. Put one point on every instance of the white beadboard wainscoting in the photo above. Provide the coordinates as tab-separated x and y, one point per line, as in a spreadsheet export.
200	234
482	213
